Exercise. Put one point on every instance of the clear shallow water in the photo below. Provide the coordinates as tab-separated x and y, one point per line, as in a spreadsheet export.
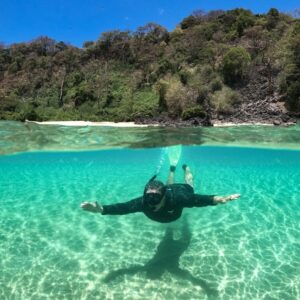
247	249
21	137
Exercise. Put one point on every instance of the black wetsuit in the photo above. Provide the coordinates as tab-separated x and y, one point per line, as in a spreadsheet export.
177	197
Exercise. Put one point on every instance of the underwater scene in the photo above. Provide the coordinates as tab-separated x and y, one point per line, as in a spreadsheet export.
52	249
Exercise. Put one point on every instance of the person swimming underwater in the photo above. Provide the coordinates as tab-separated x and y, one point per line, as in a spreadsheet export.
161	202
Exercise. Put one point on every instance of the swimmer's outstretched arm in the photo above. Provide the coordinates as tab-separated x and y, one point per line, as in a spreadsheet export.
93	207
224	199
208	200
125	208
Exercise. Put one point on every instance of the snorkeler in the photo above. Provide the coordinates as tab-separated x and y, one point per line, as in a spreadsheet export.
162	202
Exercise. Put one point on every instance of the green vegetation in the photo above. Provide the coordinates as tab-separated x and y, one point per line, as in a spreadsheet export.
224	100
293	73
199	68
235	64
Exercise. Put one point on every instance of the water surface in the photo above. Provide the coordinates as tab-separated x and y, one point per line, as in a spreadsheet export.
21	137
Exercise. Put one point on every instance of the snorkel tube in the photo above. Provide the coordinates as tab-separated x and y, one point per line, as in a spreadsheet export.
152	178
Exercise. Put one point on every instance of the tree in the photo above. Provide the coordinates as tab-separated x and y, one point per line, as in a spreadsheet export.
196	18
112	45
293	90
244	20
235	65
293	99
152	33
88	44
273	17
162	87
43	45
257	39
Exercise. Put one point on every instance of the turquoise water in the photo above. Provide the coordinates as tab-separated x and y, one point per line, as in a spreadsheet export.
18	137
246	249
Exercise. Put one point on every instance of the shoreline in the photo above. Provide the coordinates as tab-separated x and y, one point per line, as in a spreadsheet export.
232	124
136	125
89	123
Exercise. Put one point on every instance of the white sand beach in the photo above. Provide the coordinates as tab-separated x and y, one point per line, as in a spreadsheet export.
88	123
231	124
132	124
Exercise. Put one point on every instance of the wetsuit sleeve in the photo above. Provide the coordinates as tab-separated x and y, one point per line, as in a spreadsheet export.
125	208
200	201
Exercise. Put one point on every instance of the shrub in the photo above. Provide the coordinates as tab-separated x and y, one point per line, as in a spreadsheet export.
207	73
30	115
244	20
193	112
224	100
79	95
235	65
293	71
13	68
184	76
293	99
273	18
175	92
202	92
46	113
9	103
145	104
161	88
282	82
216	85
178	97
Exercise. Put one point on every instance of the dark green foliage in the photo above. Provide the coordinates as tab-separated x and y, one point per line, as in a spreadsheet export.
293	74
184	76
79	95
5	59
88	44
14	67
162	90
215	85
295	44
272	18
144	104
193	112
9	103
189	22
224	100
244	20
294	96
128	75
207	73
202	93
152	33
234	22
235	65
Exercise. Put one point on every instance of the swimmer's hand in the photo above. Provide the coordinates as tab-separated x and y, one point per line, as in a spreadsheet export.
93	207
223	200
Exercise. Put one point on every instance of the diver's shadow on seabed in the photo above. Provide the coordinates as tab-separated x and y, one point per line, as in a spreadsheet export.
166	259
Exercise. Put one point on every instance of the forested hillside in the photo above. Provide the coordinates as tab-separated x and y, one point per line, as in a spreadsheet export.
216	65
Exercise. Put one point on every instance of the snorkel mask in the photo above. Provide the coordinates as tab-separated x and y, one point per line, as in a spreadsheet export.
153	192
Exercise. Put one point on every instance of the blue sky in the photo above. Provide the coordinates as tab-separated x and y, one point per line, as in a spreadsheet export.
75	21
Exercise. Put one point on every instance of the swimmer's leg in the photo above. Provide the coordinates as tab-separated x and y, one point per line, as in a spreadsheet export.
188	176
171	175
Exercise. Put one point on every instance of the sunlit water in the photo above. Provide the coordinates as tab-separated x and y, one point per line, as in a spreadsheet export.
246	249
